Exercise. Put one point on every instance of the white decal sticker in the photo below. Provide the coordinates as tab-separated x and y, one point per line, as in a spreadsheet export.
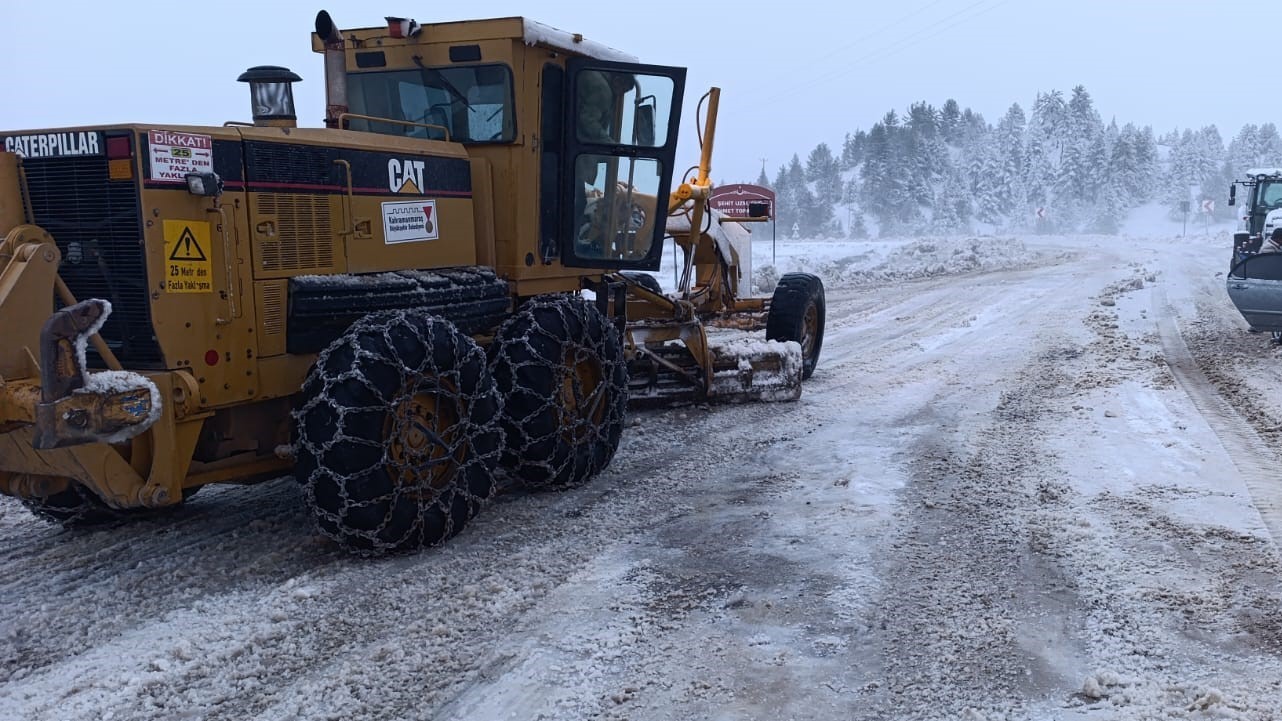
410	221
54	145
174	155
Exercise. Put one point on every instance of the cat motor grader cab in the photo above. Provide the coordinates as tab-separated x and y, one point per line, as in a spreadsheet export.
439	284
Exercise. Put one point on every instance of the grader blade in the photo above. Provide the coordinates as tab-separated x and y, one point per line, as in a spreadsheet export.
734	371
754	370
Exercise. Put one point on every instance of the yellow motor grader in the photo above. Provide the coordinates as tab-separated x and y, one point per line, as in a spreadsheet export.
440	285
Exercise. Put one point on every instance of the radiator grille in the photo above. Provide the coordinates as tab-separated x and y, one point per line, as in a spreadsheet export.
95	222
304	234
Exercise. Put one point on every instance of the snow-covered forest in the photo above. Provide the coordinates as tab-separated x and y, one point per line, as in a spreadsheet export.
949	170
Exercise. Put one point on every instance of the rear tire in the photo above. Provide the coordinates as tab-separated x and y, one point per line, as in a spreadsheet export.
398	434
558	363
797	314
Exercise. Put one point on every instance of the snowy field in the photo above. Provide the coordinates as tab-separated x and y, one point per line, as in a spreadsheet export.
1034	477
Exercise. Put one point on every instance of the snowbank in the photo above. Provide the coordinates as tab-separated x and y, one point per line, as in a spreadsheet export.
852	263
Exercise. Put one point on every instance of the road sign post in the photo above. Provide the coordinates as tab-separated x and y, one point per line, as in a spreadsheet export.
750	203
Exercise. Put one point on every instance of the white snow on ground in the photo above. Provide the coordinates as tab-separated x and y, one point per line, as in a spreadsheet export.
852	263
849	264
1010	491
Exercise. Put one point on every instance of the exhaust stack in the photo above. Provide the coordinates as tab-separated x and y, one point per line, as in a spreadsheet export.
272	94
335	69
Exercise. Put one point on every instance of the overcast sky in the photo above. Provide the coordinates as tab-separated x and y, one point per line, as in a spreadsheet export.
793	74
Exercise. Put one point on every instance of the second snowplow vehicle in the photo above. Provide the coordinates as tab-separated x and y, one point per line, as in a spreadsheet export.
1255	279
397	305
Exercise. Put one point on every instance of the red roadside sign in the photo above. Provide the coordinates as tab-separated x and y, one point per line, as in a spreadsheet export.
744	201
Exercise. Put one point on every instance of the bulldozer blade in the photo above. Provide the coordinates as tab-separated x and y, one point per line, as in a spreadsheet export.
755	370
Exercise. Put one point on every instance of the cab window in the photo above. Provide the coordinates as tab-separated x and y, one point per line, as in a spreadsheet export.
472	103
1271	194
622	108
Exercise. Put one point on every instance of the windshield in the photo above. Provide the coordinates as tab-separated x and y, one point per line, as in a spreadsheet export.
472	103
1269	195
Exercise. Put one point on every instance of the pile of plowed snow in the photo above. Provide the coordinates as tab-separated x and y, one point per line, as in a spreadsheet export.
851	263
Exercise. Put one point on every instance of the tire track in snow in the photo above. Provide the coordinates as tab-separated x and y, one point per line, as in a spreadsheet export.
1255	462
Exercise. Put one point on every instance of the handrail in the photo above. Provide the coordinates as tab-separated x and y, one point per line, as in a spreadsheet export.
229	265
342	122
350	201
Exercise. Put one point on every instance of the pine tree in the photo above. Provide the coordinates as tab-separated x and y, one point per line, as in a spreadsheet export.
852	149
883	190
823	170
786	206
1241	155
986	182
1050	117
928	160
1077	182
1039	170
950	122
1144	176
953	203
1176	194
1011	161
1269	146
858	228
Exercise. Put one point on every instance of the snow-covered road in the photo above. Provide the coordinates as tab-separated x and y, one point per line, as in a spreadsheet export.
1041	488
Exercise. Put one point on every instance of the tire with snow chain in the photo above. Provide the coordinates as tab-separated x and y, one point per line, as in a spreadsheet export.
79	507
797	313
398	434
558	363
76	507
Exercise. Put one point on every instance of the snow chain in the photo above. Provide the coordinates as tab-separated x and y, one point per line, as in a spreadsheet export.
559	366
399	433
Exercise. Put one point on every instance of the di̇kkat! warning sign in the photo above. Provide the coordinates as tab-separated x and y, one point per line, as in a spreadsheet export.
410	221
188	268
175	155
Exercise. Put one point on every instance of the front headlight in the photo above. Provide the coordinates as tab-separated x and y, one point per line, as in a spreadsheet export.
204	184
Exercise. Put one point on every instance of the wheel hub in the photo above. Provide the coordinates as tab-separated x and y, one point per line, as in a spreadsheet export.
582	405
421	432
809	330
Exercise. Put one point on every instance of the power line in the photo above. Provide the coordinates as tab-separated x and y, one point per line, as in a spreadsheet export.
872	34
960	17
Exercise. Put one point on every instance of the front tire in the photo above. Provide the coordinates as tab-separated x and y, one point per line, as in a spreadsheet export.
559	366
76	507
398	433
797	313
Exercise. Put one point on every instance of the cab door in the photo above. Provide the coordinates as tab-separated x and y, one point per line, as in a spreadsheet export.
619	140
1255	287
